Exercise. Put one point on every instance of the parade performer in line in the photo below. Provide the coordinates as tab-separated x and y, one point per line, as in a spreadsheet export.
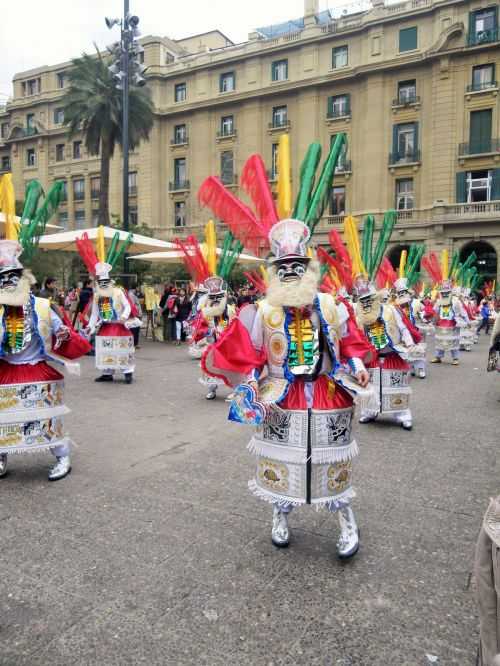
111	311
382	324
494	350
466	280
449	312
31	333
294	366
410	307
214	312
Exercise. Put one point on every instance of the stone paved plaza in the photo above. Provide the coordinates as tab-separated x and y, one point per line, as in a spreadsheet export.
153	552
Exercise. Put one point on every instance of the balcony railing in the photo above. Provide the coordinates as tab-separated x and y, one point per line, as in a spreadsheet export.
406	157
406	100
233	180
479	147
343	167
226	134
132	190
279	123
95	194
179	141
482	37
179	185
481	85
341	112
78	196
335	219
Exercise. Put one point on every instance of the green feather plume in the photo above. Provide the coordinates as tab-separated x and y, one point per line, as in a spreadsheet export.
385	234
124	247
307	175
323	188
231	251
367	241
112	248
30	233
32	195
455	262
415	254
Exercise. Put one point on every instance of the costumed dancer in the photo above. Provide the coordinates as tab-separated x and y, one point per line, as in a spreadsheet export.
449	311
290	356
31	333
111	312
467	278
214	311
494	351
410	307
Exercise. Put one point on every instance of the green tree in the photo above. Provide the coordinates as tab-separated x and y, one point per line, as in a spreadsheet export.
93	105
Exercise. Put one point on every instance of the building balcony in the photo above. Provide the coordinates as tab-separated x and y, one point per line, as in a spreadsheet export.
279	126
230	182
95	194
344	167
78	196
132	190
482	86
406	101
339	114
179	141
407	158
480	37
226	134
487	147
179	186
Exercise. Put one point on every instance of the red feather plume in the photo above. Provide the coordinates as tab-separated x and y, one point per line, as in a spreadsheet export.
431	264
238	217
254	182
386	275
193	258
87	253
343	271
256	280
327	285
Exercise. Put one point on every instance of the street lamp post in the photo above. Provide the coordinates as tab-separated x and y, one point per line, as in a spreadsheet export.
121	70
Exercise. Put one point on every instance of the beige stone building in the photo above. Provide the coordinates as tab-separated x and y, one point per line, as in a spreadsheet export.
413	85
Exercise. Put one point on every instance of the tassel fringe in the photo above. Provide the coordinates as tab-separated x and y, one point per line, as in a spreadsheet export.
287	454
333	454
272	498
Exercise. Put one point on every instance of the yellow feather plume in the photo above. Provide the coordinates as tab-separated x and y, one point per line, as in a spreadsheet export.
353	245
264	273
284	179
402	263
211	247
445	264
100	248
8	206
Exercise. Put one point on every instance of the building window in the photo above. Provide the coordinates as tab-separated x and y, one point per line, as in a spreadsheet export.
227	125
95	217
405	143
279	70
180	173
337	205
80	219
342	163
4	130
77	150
95	187
141	57
5	163
280	116
227	167
274	161
407	92
64	192
339	106
132	183
62	219
33	86
180	214
58	116
79	189
404	194
180	134
31	157
340	57
30	124
483	76
60	152
407	39
61	79
180	92
227	82
483	26
480	132
133	217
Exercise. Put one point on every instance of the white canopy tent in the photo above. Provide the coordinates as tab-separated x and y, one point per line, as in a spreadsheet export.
49	227
66	241
176	257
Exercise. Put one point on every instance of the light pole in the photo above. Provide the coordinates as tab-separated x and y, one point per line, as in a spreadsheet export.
121	69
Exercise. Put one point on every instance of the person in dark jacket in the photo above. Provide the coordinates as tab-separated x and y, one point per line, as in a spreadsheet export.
182	311
84	298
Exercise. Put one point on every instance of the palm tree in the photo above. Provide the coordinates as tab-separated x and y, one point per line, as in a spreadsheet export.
93	105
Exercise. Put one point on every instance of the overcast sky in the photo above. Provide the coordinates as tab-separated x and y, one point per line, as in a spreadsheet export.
35	33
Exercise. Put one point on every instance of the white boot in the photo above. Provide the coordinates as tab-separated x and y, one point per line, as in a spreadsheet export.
280	534
422	373
348	543
3	465
61	469
212	394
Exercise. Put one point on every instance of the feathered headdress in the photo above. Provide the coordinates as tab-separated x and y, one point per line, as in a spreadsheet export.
201	262
38	209
98	261
252	229
409	266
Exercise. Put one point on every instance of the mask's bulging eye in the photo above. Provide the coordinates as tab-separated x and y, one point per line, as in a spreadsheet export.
299	269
